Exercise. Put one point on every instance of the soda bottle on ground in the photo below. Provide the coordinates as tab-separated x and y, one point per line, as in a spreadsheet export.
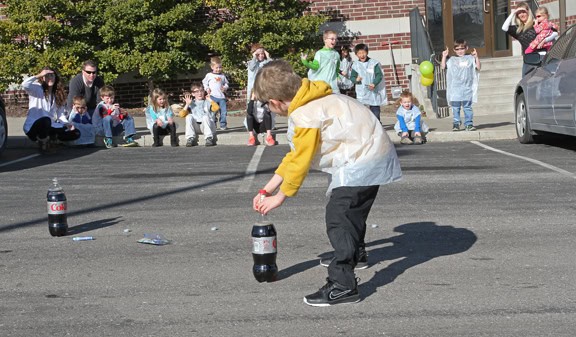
264	249
57	207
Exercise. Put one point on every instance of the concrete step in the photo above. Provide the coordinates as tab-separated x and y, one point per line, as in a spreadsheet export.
492	94
484	109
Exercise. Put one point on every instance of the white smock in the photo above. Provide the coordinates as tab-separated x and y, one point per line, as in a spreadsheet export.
409	117
355	149
462	79
365	70
87	132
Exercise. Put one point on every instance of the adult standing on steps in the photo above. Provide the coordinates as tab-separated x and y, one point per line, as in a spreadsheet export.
87	84
523	30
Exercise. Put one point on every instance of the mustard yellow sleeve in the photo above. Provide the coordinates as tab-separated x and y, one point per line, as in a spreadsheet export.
295	165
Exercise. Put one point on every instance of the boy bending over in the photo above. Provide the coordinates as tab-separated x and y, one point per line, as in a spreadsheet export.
343	138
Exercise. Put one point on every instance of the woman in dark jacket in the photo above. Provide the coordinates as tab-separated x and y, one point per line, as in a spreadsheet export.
523	29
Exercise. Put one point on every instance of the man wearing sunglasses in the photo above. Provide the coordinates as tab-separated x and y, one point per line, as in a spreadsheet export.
87	84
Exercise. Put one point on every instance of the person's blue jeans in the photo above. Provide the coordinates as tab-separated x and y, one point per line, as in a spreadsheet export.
222	103
375	110
127	125
468	114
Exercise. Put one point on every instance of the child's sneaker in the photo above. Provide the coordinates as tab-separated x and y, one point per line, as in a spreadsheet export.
108	142
191	142
252	140
210	141
470	128
406	140
418	140
456	127
270	141
129	142
332	293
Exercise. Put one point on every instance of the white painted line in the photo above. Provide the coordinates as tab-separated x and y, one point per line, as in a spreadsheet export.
19	160
534	161
251	170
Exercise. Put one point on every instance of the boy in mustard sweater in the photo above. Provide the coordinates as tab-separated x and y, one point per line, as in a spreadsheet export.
360	159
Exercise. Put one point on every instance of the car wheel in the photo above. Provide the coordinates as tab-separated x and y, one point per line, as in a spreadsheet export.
523	130
3	129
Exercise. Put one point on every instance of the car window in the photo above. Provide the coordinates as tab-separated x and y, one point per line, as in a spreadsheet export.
558	50
572	48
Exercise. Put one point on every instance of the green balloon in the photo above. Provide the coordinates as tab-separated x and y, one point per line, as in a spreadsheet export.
426	68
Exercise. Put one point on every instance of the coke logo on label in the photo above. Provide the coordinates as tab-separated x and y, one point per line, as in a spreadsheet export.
57	207
265	245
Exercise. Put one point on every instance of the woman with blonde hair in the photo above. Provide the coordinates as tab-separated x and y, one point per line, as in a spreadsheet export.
523	30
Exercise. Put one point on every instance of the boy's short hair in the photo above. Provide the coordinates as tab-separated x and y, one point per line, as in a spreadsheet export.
360	46
328	32
276	80
79	100
215	60
460	43
196	85
106	90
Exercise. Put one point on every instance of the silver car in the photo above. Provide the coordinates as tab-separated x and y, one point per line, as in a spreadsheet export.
545	98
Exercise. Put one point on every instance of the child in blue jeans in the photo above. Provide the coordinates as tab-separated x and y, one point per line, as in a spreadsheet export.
462	82
109	120
216	84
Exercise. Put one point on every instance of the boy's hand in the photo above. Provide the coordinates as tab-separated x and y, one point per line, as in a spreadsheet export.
267	54
269	203
371	86
474	52
445	52
188	98
303	56
359	79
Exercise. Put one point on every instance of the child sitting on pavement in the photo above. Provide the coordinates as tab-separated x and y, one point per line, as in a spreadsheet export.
80	118
410	126
342	137
199	115
110	120
160	118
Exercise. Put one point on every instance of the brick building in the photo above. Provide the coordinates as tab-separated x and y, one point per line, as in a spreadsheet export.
379	22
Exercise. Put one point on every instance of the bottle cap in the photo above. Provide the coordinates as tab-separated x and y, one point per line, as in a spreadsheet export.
263	191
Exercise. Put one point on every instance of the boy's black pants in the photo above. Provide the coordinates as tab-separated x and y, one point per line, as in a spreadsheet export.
346	215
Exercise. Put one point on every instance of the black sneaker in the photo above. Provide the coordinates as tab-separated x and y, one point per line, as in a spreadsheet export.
362	260
210	142
332	293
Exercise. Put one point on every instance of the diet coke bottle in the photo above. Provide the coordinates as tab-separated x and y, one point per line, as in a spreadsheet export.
57	220
264	249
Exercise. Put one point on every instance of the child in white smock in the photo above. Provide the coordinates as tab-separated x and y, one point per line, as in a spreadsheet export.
409	125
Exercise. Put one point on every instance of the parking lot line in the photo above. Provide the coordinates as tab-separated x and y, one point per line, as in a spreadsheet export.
20	159
251	170
534	161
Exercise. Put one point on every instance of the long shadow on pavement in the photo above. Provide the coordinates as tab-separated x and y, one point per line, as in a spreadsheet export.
93	225
419	242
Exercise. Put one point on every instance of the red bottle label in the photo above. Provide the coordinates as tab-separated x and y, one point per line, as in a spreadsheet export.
58	207
265	245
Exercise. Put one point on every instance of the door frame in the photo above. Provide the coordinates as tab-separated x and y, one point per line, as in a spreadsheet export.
489	29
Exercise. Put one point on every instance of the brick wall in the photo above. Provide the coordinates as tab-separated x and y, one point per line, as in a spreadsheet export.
385	11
